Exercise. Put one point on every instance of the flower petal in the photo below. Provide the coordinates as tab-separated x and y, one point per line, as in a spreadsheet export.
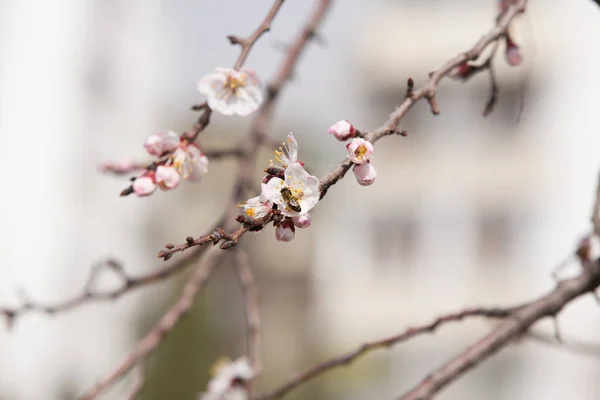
248	100
365	173
144	186
167	177
209	84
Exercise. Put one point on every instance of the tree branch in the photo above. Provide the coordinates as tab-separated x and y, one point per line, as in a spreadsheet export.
512	328
409	333
165	325
248	42
251	302
89	294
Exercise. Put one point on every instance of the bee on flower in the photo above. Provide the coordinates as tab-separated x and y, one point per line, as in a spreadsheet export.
229	91
296	194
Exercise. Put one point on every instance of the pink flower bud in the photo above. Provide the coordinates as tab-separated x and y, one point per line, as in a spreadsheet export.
144	185
359	150
462	71
167	177
302	221
162	143
285	231
365	173
342	130
513	55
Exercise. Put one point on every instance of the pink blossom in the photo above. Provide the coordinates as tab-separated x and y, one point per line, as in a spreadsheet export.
231	92
285	231
342	130
189	161
365	173
359	150
162	143
167	177
144	185
296	195
513	55
256	207
302	221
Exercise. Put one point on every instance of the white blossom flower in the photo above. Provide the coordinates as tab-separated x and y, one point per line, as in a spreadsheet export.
302	221
189	161
162	143
342	130
229	381
365	173
297	194
231	92
359	150
256	207
287	154
167	177
285	231
144	185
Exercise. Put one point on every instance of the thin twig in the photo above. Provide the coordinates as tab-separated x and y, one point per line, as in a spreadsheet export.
165	325
251	301
548	305
248	42
409	333
89	294
138	384
428	91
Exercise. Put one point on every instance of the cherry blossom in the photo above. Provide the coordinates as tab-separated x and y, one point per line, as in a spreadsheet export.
296	195
513	55
256	207
229	381
359	150
302	221
285	231
365	173
342	130
287	154
231	92
162	143
144	185
167	177
189	161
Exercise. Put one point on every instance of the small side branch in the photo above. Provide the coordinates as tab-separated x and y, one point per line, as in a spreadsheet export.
409	333
153	339
251	302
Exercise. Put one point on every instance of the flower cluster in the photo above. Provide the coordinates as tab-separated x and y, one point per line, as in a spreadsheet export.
359	151
177	158
229	91
289	189
229	380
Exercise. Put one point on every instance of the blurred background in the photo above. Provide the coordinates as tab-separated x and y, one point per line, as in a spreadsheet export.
466	210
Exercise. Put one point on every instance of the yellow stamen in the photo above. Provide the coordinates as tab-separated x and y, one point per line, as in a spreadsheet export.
360	152
219	364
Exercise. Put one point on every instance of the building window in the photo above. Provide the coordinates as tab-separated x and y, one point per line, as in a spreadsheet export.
394	239
494	234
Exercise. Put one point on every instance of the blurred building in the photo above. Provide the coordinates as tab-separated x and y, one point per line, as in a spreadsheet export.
454	219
